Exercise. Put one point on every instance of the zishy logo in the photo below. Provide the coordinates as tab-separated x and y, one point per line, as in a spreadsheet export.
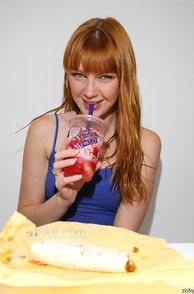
187	290
55	233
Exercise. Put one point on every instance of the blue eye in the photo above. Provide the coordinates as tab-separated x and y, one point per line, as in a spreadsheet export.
77	75
106	77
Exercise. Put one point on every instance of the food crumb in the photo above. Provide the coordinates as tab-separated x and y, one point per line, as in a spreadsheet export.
135	249
130	266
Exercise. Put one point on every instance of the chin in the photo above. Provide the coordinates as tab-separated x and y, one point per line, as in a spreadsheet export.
98	114
104	114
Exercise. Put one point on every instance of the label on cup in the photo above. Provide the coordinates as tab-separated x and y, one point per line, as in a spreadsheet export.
87	142
90	152
83	138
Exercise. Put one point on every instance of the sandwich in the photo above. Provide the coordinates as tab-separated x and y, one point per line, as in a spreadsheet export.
77	255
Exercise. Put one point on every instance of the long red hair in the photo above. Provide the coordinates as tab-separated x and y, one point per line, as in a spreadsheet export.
103	45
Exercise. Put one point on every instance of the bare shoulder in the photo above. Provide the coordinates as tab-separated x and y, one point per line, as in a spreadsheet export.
151	145
43	129
41	125
150	137
46	124
40	133
64	118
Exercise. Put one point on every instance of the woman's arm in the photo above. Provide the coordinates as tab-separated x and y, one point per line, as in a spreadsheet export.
131	217
37	149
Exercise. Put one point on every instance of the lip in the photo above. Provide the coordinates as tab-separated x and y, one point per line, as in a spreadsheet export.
96	103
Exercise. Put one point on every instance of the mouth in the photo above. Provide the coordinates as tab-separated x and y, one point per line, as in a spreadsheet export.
96	103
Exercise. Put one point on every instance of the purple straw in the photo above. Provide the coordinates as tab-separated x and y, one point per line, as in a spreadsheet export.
91	109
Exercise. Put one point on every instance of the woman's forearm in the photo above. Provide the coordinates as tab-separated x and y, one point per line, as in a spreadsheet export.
50	211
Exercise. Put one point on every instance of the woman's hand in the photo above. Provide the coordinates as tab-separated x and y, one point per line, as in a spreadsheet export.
67	187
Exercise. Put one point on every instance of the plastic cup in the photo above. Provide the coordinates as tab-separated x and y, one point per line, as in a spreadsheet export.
87	135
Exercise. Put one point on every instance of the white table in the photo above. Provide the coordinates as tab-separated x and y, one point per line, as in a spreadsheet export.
186	249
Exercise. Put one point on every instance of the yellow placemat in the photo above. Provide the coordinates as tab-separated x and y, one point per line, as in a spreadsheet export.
157	264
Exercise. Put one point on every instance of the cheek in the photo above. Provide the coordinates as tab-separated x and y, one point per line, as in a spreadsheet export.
112	93
72	85
75	88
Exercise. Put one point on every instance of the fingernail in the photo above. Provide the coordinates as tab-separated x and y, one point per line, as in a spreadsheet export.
73	160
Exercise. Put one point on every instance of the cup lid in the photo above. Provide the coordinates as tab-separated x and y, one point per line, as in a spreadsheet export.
90	118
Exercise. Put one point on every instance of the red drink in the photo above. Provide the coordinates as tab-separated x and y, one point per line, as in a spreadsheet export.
87	133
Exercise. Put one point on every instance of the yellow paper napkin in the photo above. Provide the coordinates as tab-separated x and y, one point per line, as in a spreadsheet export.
157	264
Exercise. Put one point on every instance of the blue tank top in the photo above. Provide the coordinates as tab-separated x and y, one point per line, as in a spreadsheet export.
97	202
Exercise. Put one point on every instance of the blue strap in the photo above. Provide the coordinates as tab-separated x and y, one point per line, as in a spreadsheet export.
56	132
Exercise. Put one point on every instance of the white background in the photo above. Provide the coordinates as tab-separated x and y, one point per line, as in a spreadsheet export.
33	35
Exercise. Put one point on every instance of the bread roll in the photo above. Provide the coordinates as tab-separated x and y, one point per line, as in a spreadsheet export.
80	256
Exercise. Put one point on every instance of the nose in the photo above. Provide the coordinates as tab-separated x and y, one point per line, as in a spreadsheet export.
90	90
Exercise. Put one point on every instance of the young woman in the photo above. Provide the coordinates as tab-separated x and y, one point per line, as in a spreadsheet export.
100	67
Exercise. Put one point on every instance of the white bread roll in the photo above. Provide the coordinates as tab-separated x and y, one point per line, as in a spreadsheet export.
80	256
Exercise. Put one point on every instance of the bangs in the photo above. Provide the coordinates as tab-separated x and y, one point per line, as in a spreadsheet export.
95	55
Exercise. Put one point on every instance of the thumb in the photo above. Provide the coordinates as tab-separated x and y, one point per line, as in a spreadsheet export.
98	165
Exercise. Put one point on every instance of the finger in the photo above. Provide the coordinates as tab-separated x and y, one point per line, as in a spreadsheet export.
59	182
71	179
67	142
62	181
55	172
64	163
98	165
66	153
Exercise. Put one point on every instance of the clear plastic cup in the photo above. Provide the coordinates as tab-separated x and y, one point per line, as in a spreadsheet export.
87	135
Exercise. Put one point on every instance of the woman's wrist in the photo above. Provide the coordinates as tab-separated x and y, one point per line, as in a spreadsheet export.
63	202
